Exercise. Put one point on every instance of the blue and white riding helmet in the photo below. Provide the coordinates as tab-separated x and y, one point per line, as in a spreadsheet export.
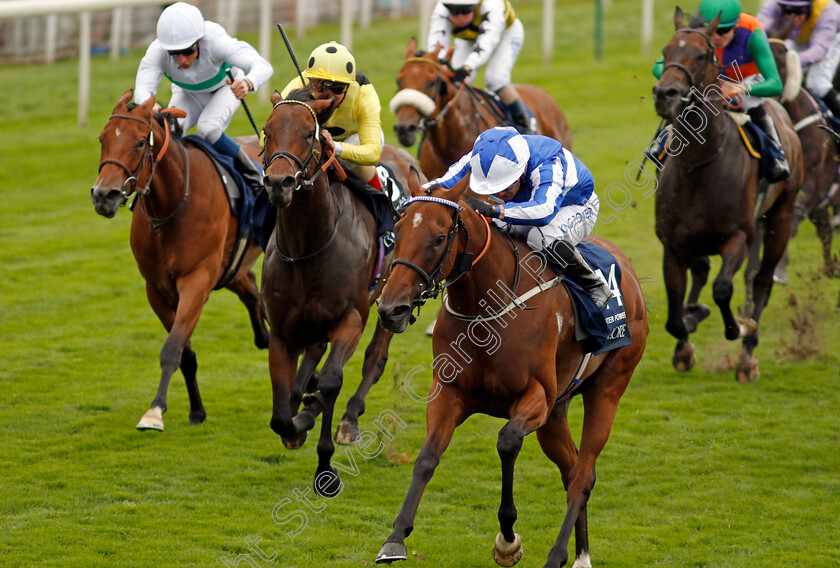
499	158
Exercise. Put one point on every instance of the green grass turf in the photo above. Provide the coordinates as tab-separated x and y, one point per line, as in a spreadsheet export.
699	471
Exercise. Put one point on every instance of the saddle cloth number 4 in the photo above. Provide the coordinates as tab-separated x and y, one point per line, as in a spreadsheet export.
612	283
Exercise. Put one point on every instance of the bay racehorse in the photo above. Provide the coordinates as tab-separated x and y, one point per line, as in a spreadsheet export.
317	274
182	233
707	201
520	362
819	155
451	117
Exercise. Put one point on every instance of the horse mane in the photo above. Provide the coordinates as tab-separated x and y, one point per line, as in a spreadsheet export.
696	21
305	94
175	129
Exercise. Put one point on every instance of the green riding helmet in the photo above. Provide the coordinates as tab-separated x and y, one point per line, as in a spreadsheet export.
730	11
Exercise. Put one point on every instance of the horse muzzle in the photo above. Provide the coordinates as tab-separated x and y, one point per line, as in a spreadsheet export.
667	100
107	201
280	189
406	133
394	317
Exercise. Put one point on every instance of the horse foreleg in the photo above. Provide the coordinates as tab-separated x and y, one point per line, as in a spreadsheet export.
733	253
343	338
245	287
599	402
443	413
526	416
282	363
311	357
699	267
822	221
376	356
557	444
675	273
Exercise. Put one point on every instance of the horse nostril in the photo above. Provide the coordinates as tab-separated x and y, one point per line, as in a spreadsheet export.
400	312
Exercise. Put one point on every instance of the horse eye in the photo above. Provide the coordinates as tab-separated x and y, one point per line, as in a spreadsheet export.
439	240
141	143
431	84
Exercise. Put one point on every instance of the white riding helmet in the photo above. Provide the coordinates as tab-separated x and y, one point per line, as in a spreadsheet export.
180	26
460	2
499	158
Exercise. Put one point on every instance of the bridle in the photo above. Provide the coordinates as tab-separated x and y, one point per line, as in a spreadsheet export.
435	118
693	78
301	181
132	181
433	282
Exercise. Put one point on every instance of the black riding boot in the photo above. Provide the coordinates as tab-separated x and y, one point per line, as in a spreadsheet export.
781	169
249	172
832	101
523	117
565	255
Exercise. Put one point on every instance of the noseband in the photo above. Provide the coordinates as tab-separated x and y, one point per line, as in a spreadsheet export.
430	120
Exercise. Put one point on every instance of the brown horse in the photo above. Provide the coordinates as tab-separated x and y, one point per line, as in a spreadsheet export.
520	362
316	276
452	117
819	154
182	234
707	200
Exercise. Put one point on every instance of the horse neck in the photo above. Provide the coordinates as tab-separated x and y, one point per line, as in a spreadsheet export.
170	175
456	132
491	277
702	138
310	218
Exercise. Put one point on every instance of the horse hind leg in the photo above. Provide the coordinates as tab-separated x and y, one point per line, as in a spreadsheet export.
376	356
674	271
189	367
695	312
733	253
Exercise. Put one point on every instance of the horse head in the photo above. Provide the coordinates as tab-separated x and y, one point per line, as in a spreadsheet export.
294	144
690	65
423	85
126	143
425	251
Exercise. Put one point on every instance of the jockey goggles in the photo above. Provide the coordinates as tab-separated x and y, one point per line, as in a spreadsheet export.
788	10
723	31
186	52
457	10
335	87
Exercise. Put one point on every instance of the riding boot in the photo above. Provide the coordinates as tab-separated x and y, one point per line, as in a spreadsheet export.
780	170
569	259
655	152
249	171
832	101
522	116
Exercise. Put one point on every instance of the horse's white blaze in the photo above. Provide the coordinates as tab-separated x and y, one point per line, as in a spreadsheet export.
559	323
582	561
681	44
418	217
118	132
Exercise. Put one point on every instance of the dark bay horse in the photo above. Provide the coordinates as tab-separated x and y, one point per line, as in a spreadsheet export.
182	234
819	155
707	200
518	362
316	275
453	116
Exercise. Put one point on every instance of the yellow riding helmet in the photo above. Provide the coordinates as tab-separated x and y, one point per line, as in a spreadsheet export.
331	62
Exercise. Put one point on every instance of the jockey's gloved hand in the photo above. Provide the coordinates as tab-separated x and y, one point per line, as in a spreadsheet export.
482	207
460	74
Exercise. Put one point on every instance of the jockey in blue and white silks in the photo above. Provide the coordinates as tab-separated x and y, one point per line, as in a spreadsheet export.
546	196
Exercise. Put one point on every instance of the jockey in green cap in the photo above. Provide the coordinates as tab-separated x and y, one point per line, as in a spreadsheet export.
741	47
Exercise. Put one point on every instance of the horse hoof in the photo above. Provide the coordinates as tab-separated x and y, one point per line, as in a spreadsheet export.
747	370
684	357
294	443
152	420
347	432
197	418
507	553
699	311
327	483
746	326
391	552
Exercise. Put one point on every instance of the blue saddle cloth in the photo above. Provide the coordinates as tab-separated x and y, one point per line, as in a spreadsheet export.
246	204
762	144
605	329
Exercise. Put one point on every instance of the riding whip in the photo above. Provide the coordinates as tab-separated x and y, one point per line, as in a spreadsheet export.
291	52
245	106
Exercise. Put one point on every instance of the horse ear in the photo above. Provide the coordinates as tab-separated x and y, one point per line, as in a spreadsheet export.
434	54
449	51
457	190
126	97
678	18
713	25
276	97
149	105
412	48
415	187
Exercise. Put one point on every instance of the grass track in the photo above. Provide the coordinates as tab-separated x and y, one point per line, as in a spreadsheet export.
699	471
